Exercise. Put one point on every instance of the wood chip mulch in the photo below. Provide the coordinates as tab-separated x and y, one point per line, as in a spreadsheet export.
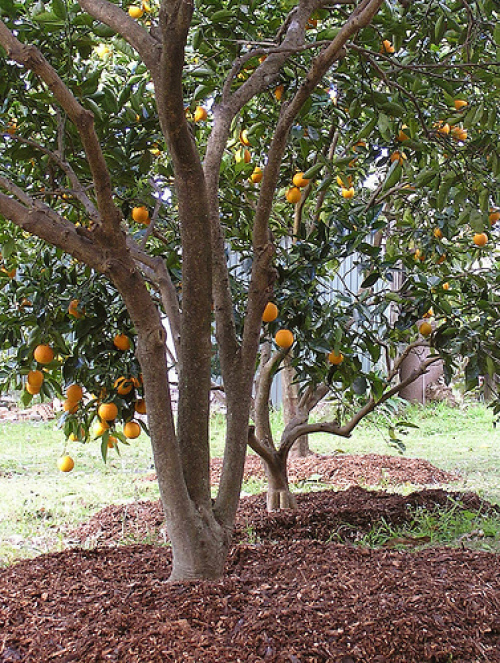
299	588
347	470
290	594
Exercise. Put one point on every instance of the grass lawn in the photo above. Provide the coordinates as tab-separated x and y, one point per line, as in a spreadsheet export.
39	504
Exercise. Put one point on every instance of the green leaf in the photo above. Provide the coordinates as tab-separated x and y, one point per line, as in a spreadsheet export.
393	175
59	8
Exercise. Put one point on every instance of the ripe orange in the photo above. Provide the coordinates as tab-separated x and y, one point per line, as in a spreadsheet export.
112	442
123	385
494	216
335	358
387	47
278	92
459	104
444	129
31	389
446	286
257	175
43	354
65	463
107	411
135	12
344	183
480	239
438	233
141	215
73	309
348	193
74	393
35	379
122	342
78	436
140	406
402	136
132	429
284	338
244	138
293	195
99	427
425	329
398	156
243	155
200	114
270	312
299	180
458	133
70	406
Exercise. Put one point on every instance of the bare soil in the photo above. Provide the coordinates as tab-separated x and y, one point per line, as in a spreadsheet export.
298	588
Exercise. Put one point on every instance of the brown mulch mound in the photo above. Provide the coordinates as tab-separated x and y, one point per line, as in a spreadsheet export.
347	470
300	602
291	593
343	516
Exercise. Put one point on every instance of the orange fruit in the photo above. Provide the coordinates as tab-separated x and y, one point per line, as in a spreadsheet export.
446	286
459	104
70	406
107	411
122	342
348	193
200	114
402	136
299	180
335	358
141	215
386	47
31	389
135	12
43	354
132	429
73	309
78	436
398	156
65	463
35	379
257	175
480	239
293	195
244	138
74	393
270	312
438	233
99	427
494	216
425	329
278	92
444	129
112	441
123	385
140	406
284	338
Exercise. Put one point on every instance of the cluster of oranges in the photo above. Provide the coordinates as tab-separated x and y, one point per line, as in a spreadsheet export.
294	194
284	338
138	11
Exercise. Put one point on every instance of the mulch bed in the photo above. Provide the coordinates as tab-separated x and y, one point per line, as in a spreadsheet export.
347	470
292	593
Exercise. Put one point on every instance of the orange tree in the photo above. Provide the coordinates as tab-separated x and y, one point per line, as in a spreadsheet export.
149	167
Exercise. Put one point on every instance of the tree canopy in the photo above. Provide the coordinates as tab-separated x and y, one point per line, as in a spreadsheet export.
197	160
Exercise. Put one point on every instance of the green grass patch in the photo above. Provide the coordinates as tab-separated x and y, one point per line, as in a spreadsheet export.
453	527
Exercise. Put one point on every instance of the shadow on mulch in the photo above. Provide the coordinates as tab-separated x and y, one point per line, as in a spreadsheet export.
293	597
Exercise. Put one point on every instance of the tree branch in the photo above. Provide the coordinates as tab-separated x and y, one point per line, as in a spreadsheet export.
31	58
78	190
113	16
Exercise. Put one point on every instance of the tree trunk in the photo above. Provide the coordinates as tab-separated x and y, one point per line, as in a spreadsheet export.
278	490
300	448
